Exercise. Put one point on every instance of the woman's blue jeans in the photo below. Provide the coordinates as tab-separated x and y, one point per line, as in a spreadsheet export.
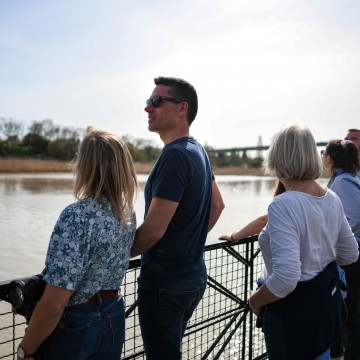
164	313
91	332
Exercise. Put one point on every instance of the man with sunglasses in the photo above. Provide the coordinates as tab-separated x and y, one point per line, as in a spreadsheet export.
182	204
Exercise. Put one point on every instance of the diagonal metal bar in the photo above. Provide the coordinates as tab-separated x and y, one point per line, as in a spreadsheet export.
248	261
212	321
222	334
237	256
242	321
131	309
223	290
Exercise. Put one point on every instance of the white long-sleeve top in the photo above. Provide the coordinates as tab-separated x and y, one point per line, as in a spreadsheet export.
303	235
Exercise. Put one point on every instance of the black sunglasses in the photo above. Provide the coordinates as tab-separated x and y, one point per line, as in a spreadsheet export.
157	99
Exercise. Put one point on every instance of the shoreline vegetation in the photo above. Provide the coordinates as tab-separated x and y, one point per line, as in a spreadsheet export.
16	165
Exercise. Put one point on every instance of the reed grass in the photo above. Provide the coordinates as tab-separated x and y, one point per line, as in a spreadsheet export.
15	165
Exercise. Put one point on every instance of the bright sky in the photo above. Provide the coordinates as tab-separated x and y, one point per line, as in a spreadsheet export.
257	64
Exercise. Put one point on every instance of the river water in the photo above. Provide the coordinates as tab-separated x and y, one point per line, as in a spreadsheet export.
31	204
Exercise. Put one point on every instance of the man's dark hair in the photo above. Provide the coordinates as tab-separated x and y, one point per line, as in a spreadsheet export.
181	90
354	130
344	155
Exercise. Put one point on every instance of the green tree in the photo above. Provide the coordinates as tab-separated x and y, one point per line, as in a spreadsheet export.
142	150
37	143
63	149
45	128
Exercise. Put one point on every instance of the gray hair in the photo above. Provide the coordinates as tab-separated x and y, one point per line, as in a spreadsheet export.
293	155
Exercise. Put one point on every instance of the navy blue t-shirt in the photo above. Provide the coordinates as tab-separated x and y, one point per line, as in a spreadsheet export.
182	174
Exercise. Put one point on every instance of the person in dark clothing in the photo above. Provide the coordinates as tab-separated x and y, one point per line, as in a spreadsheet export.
182	204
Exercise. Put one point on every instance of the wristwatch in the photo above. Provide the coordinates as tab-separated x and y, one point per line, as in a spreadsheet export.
21	354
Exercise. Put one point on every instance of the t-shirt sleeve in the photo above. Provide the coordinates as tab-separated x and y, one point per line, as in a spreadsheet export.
171	177
64	258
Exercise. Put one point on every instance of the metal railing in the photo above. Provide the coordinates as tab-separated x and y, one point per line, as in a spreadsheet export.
222	326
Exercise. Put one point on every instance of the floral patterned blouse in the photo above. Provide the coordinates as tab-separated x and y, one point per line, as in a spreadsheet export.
89	249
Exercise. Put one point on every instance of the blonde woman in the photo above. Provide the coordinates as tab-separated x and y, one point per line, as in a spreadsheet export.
306	235
87	258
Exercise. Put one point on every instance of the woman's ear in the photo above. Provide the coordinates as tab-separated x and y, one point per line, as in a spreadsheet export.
328	160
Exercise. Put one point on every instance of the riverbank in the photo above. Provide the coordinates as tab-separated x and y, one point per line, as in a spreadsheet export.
14	165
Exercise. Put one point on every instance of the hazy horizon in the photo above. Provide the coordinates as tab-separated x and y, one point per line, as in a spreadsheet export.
256	65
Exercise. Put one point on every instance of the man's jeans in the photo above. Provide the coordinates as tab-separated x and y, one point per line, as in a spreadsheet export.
92	332
164	313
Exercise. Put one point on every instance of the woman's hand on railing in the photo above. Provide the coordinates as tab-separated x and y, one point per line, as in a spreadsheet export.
228	237
252	228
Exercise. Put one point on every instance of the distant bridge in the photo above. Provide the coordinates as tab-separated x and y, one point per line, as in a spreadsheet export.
241	151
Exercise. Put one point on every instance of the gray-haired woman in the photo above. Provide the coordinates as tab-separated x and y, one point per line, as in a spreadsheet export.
306	235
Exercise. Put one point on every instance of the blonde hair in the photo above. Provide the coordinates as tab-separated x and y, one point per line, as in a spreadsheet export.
293	155
104	168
